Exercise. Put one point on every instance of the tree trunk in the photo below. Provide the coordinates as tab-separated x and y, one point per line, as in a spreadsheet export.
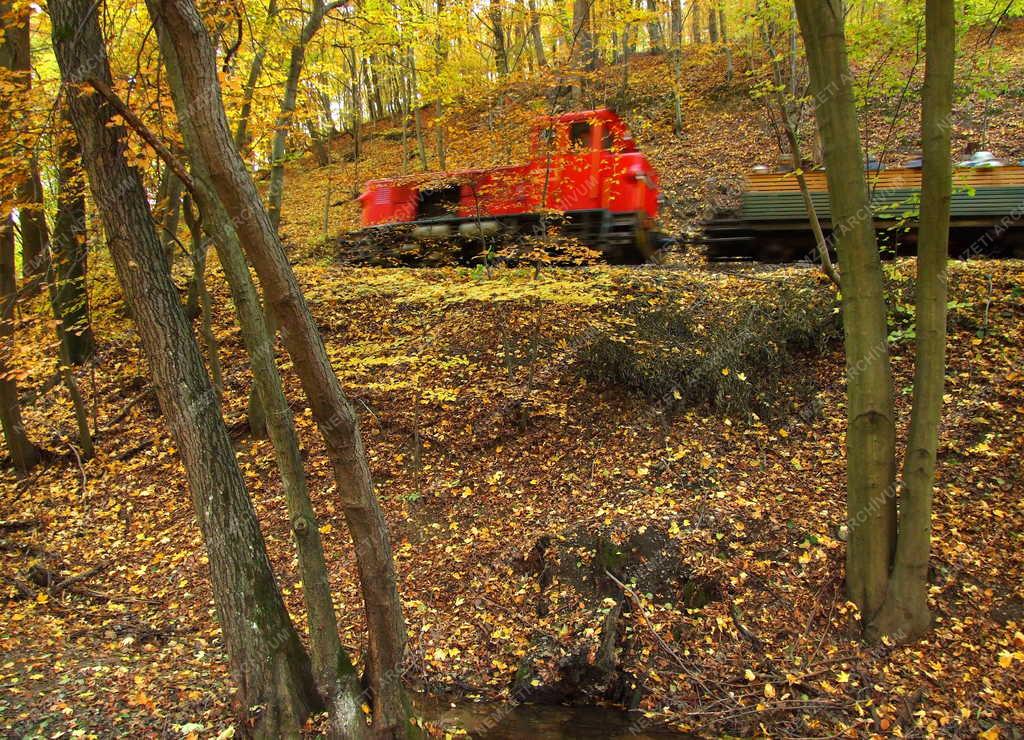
535	34
198	250
440	54
713	25
413	107
35	252
22	452
242	129
905	614
676	10
356	96
67	375
378	104
498	32
870	435
320	143
332	411
66	281
168	208
787	115
725	42
695	29
677	65
275	190
14	23
581	49
69	261
654	27
627	52
24	455
268	662
334	672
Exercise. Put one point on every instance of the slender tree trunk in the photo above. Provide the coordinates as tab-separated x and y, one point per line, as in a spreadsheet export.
368	89
812	214
35	247
581	47
371	109
870	435
87	450
284	118
713	25
725	42
24	455
676	12
440	54
22	452
786	114
275	189
332	411
268	662
66	281
627	50
335	674
535	34
371	66
413	107
319	142
905	614
498	32
14	22
356	96
169	206
654	27
249	89
209	341
677	65
70	254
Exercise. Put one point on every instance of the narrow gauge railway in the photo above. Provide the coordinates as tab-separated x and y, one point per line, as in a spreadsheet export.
588	189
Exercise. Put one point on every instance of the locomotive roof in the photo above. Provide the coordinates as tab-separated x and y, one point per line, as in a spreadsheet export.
606	114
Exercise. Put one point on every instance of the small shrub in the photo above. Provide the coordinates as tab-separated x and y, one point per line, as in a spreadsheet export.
727	357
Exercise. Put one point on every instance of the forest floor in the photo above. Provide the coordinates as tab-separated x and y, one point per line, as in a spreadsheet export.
486	439
512	422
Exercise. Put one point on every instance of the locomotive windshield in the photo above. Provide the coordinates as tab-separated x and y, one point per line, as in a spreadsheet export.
579	135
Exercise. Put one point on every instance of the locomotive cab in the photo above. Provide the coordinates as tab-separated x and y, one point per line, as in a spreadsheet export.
587	131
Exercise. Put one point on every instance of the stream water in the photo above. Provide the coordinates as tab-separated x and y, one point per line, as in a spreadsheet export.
496	721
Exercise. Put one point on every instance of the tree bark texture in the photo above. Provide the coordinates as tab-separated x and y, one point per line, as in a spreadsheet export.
268	662
332	411
275	191
905	614
335	675
70	253
870	436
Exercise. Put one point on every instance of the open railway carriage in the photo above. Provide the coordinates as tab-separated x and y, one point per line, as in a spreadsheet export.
772	224
586	178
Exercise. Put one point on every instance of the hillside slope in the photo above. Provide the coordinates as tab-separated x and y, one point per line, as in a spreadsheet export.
725	131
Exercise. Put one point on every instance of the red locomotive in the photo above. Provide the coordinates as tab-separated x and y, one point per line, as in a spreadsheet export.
586	174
